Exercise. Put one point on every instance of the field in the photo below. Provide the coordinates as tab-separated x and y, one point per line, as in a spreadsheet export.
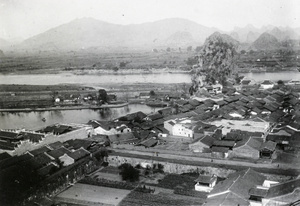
109	173
92	195
161	199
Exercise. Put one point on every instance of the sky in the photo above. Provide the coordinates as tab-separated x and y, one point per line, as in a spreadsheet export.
21	19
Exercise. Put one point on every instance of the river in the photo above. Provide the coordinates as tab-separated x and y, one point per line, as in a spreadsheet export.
32	120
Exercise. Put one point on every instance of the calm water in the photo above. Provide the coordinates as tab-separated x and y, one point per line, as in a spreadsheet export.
33	120
51	79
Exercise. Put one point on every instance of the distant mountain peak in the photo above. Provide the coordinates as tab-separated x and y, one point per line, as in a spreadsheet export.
266	41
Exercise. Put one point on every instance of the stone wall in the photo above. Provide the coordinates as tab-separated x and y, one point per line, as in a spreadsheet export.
171	167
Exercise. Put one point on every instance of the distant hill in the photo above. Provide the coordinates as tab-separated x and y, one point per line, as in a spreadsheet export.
217	37
4	44
285	34
87	32
266	41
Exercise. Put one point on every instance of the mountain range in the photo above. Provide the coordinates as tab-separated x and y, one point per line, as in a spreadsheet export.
89	33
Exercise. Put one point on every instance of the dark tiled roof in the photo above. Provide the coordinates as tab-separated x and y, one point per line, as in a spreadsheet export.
8	135
78	143
78	154
4	156
206	179
222	143
207	140
56	145
249	141
268	145
42	159
33	137
58	152
258	192
40	150
283	188
155	116
6	145
220	149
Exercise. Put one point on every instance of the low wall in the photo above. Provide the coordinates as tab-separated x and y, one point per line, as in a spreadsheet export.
165	151
171	167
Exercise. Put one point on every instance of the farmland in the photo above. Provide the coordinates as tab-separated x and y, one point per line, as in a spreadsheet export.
161	199
92	195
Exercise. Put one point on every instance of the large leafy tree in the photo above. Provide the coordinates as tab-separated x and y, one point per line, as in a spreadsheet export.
216	60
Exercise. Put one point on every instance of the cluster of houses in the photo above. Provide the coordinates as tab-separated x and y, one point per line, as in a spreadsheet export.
51	157
250	124
18	142
248	187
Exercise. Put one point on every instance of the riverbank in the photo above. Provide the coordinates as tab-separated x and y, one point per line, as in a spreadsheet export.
94	107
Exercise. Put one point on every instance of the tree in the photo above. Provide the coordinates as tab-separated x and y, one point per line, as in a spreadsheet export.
128	172
102	95
217	59
152	93
189	48
168	49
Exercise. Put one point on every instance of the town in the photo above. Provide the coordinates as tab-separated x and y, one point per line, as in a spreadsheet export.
235	144
149	103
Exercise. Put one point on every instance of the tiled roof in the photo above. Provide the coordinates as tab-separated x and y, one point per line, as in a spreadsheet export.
40	150
249	141
283	188
239	183
78	154
58	152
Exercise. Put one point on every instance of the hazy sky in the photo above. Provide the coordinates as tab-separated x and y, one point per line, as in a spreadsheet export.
25	18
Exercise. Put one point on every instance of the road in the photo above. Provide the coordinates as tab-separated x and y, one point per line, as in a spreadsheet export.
272	168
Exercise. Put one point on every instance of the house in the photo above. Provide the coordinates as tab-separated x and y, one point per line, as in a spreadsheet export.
214	89
201	144
180	127
249	148
71	158
260	191
223	143
165	111
219	152
55	154
267	84
79	154
286	193
153	117
250	125
235	189
205	183
144	95
267	149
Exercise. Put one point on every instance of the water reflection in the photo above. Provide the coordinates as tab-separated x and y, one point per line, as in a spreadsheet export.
33	120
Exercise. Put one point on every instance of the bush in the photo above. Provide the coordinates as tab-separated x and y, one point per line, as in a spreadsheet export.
128	172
